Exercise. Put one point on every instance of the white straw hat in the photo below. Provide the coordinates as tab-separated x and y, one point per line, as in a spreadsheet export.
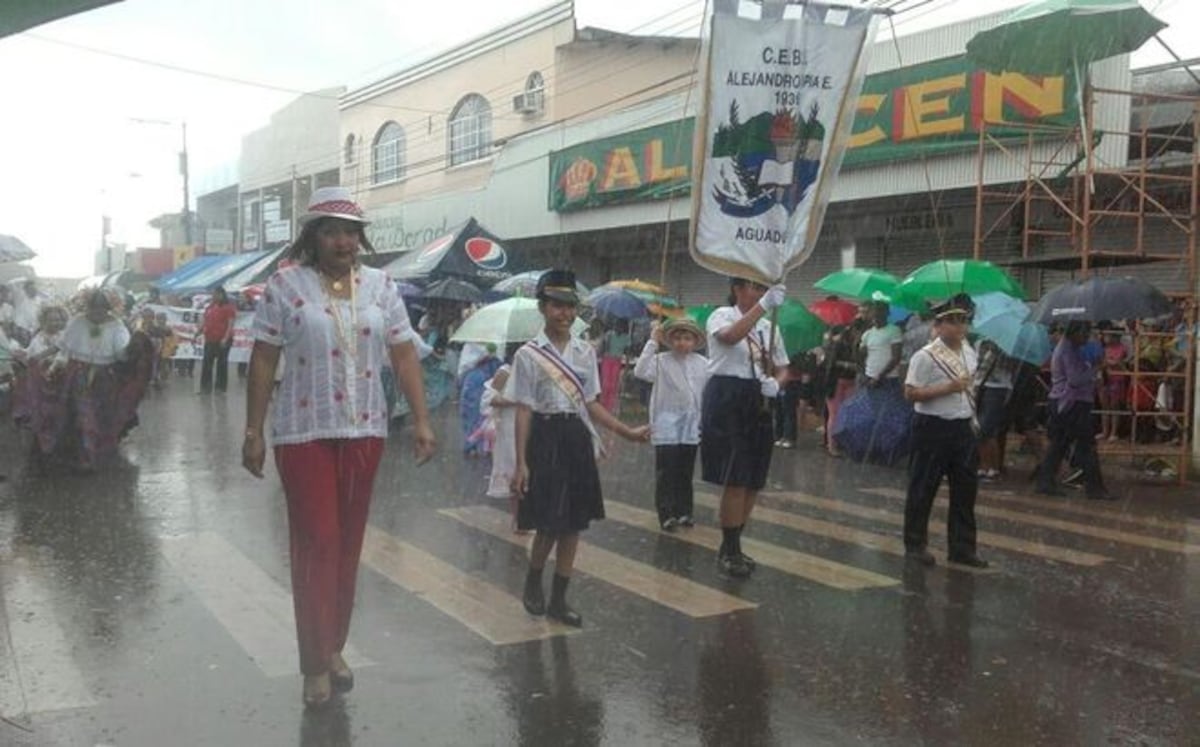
333	202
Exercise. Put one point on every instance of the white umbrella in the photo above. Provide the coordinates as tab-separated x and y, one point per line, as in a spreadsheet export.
507	321
13	249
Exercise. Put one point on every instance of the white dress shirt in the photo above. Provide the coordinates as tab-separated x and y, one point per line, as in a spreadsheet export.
735	360
531	386
924	372
676	396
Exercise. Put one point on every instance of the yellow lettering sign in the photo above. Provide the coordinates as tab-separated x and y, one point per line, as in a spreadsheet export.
868	104
656	171
620	171
1032	98
920	109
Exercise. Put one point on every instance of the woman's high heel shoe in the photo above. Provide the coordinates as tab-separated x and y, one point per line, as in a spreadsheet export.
317	691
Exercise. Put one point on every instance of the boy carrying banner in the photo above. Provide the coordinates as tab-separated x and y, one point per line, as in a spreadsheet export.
556	385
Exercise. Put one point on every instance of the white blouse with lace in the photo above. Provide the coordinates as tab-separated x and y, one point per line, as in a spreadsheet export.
333	353
99	344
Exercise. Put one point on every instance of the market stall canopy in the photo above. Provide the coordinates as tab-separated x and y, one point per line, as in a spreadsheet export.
21	15
207	272
257	272
13	249
469	252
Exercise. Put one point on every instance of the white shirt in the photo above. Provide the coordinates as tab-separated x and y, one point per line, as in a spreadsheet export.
6	313
25	311
331	386
677	394
43	343
99	345
878	342
531	386
923	371
734	360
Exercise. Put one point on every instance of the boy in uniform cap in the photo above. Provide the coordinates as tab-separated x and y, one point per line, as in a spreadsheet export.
679	376
945	436
556	385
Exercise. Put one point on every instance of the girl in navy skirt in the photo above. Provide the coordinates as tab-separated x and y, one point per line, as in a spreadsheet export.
736	425
556	386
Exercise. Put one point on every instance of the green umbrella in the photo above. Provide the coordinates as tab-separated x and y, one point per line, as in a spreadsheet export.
949	277
865	284
800	328
701	313
1056	36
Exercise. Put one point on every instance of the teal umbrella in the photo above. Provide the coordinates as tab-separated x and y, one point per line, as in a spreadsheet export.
1056	36
949	277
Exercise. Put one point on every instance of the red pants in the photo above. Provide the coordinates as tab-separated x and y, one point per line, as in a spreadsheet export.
328	487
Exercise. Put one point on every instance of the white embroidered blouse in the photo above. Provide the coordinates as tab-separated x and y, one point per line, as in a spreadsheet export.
98	344
333	353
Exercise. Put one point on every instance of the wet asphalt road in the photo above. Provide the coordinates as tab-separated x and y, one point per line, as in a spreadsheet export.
147	605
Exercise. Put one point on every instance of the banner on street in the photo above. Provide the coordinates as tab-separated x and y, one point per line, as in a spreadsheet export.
780	99
187	324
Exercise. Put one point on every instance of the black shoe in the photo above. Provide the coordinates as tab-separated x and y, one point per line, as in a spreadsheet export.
564	614
685	521
669	525
733	566
922	556
1102	495
534	599
341	682
558	609
1052	491
971	561
749	561
1074	479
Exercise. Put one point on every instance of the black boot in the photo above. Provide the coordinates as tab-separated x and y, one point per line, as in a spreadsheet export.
558	609
535	599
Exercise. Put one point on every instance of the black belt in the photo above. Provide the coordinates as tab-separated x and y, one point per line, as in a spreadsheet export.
556	416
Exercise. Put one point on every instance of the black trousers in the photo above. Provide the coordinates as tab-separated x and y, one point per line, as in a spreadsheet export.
674	465
1071	427
215	354
942	448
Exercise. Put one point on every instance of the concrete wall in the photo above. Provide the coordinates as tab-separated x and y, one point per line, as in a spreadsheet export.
302	136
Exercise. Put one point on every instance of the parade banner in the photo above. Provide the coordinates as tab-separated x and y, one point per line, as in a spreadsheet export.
780	98
187	325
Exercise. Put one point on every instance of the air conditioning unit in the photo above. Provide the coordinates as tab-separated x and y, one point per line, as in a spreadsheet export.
529	102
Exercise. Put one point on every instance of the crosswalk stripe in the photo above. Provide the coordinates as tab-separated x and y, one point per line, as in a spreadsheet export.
990	539
494	614
38	672
1094	510
826	572
1049	522
678	593
253	609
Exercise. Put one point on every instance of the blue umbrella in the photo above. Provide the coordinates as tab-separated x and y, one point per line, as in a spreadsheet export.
1004	320
617	303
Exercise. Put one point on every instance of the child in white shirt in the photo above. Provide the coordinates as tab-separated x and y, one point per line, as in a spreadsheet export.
679	375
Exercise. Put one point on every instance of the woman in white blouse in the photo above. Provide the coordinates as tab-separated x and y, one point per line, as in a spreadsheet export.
337	324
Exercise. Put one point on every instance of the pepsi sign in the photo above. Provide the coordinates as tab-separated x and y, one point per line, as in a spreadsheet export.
486	253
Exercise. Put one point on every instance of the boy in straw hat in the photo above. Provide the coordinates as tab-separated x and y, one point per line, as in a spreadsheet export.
679	375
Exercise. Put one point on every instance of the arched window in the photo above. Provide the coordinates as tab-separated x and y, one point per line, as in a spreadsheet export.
387	155
535	92
470	130
348	157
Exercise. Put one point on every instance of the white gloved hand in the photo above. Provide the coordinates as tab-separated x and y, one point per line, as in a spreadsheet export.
773	298
769	387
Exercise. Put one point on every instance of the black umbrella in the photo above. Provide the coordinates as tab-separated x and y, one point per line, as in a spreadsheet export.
450	289
1101	299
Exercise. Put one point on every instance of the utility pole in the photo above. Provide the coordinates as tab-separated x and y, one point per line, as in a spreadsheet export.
183	169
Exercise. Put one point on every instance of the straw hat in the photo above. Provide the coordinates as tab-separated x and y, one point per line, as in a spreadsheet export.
333	202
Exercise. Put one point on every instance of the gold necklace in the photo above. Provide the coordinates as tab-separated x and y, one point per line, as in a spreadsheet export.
335	284
346	342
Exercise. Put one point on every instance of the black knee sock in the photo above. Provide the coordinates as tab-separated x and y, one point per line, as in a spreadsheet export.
729	541
558	590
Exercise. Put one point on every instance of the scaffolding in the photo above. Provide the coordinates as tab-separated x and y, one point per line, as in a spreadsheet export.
1074	215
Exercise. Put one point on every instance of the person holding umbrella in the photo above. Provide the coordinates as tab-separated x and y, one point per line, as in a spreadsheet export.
939	383
1072	394
556	385
736	425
